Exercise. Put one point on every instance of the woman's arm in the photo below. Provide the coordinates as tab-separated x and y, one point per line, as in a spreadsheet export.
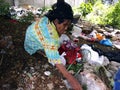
74	83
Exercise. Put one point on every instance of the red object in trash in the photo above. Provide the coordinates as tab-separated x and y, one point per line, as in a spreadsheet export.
71	53
76	40
71	56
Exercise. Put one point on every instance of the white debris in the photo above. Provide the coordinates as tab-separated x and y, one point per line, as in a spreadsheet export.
62	58
47	73
90	55
50	86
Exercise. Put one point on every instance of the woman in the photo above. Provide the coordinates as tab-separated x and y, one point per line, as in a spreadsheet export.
44	35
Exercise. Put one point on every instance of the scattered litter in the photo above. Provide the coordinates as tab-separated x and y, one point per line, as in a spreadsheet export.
47	73
79	57
93	34
67	84
18	12
70	49
90	55
32	70
62	58
76	40
106	42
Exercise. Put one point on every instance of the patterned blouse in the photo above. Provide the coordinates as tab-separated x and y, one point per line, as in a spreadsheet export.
42	35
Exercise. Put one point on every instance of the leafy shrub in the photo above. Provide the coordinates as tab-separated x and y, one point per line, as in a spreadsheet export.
92	1
4	7
113	18
105	14
85	8
99	13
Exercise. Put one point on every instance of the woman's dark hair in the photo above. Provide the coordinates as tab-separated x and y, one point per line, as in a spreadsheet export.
60	10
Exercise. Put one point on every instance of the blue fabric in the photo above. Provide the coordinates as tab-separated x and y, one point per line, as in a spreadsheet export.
117	81
106	42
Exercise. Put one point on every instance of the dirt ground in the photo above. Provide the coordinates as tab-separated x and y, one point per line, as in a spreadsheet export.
16	61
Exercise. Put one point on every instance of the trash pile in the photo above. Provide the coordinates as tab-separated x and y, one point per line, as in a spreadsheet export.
94	33
96	70
20	12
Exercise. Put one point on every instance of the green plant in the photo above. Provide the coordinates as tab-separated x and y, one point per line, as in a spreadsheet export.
109	16
85	8
4	7
75	67
98	15
92	1
28	18
105	14
113	17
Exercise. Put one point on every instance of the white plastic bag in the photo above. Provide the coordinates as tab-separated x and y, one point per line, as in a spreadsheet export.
90	55
63	59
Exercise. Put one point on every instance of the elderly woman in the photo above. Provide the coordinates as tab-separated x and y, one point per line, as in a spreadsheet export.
44	35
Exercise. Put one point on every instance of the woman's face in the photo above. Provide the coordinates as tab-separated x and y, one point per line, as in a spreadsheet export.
62	27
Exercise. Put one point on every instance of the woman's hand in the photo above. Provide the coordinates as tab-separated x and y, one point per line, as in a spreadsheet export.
74	83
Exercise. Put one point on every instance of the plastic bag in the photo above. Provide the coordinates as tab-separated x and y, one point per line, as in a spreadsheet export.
106	42
91	56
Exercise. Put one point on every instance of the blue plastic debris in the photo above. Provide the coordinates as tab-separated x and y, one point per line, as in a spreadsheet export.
106	42
117	81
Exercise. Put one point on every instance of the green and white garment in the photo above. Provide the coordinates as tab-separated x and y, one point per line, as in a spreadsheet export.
42	35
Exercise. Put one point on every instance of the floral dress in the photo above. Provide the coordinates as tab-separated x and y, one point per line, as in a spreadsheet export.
42	35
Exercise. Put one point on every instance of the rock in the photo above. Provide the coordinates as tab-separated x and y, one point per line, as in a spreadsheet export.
113	63
43	77
112	72
109	75
88	67
109	29
100	30
113	68
50	86
114	38
92	81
